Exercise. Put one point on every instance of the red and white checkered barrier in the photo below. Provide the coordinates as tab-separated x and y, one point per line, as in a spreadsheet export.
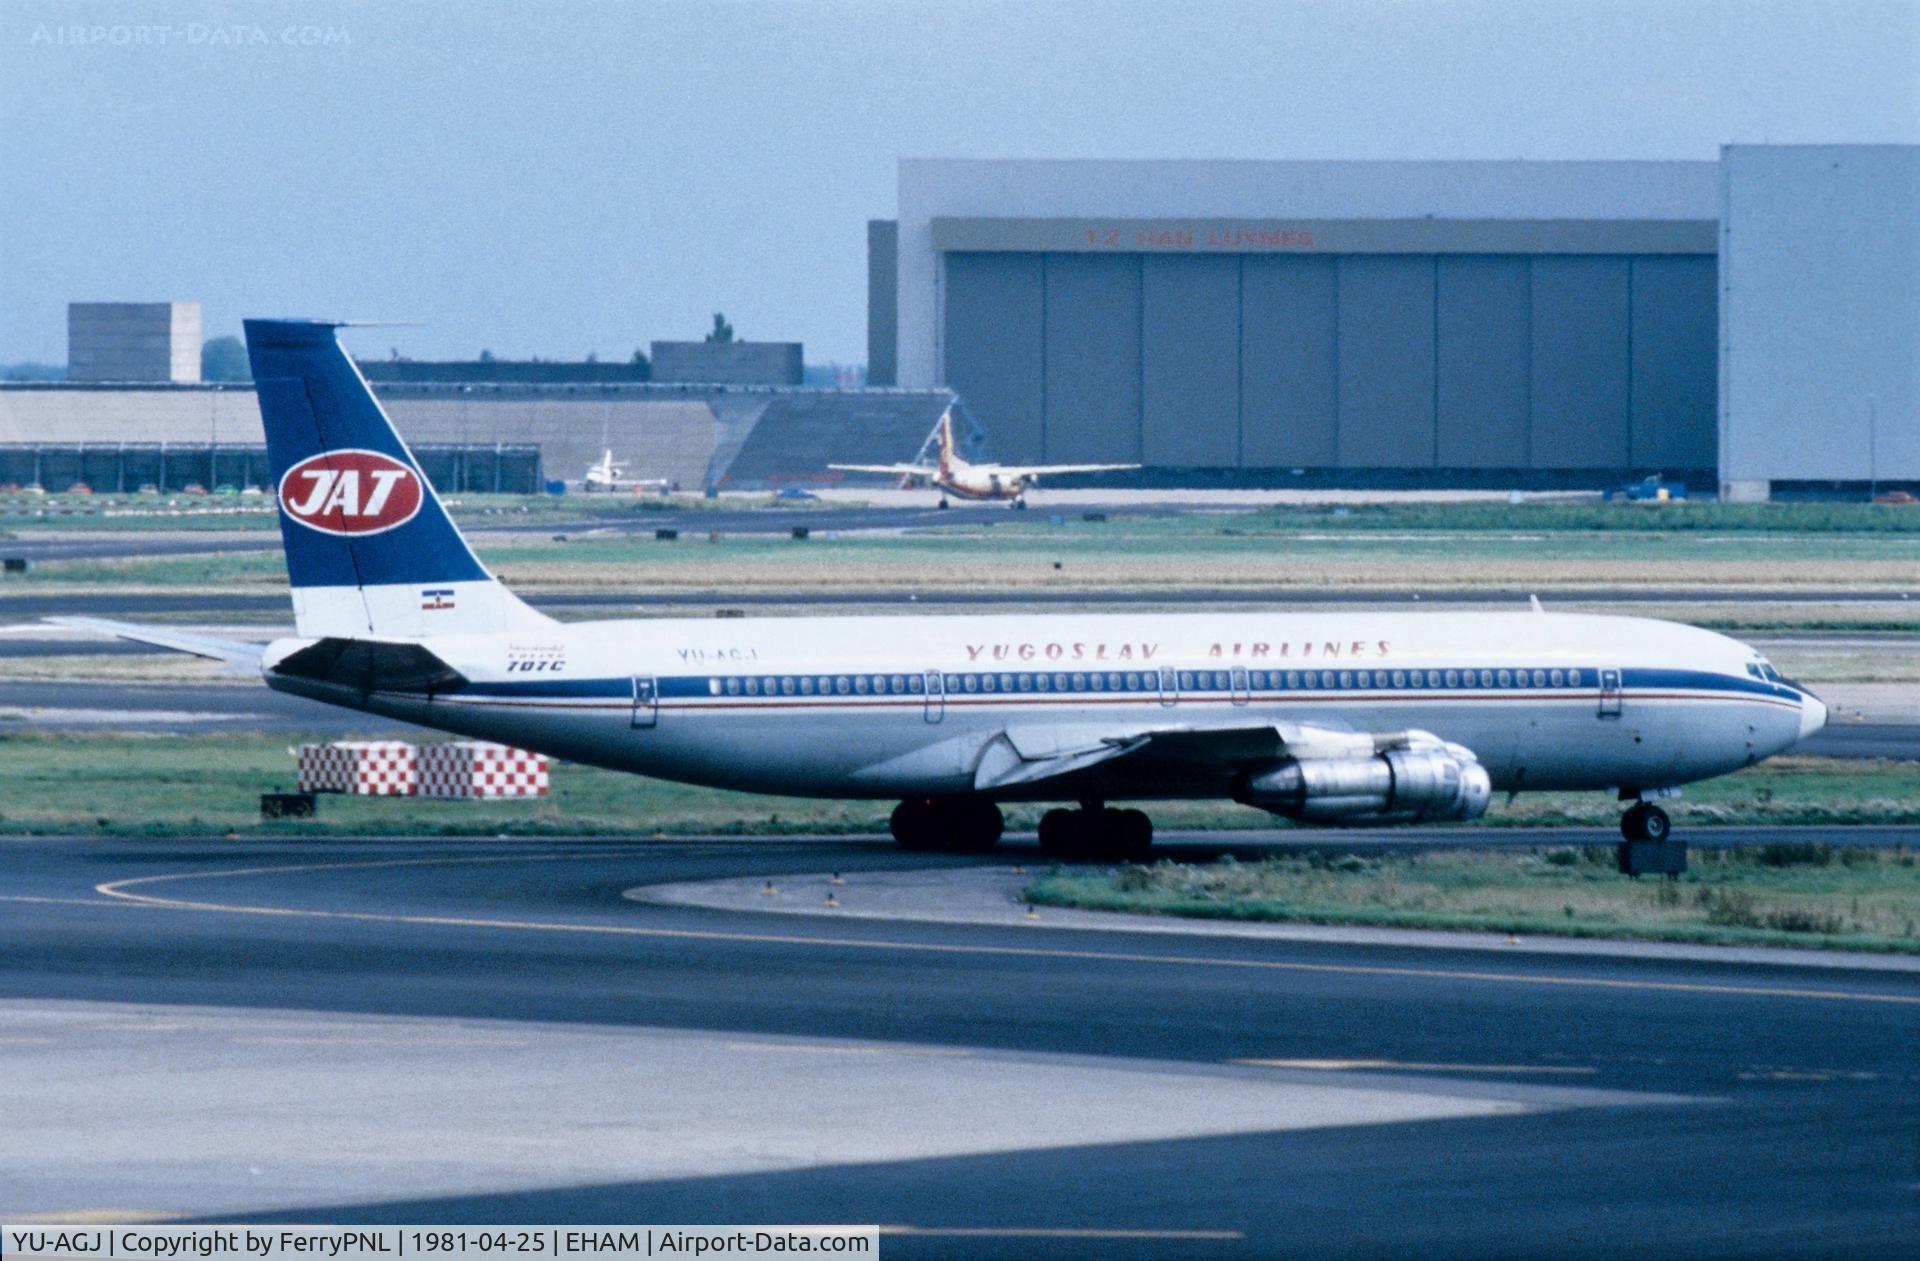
367	768
472	768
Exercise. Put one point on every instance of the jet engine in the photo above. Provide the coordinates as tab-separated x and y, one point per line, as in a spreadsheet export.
1423	778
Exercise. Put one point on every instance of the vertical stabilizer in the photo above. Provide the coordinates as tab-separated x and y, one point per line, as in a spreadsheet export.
371	553
946	444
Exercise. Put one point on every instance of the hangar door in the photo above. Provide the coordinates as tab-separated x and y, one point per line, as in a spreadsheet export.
1338	361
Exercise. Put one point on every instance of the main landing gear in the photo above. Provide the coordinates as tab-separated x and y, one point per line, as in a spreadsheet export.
967	825
1096	833
1645	822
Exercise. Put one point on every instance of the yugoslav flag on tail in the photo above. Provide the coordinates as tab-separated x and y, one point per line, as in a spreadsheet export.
371	552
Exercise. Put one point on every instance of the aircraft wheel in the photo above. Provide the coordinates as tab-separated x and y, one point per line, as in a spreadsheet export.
915	824
977	825
1131	833
1019	505
943	502
1646	822
1056	831
1072	836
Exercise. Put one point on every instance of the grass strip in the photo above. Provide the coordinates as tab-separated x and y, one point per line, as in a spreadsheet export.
1802	893
111	783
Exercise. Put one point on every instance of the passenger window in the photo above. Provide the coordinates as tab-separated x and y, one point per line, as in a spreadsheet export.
1258	679
986	683
753	687
1115	683
1573	678
1361	679
842	685
860	684
1559	677
914	684
1006	682
1326	678
1346	678
1042	683
1080	682
899	683
1453	678
1311	679
1186	682
1293	678
973	682
1221	682
1433	678
1413	679
1379	678
1506	678
1059	682
1026	682
1399	678
713	686
733	687
806	685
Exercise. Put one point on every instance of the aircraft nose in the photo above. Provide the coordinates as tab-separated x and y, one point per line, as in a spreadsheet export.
1813	714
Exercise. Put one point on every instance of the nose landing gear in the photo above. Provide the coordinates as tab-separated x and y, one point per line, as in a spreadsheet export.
1645	822
1096	833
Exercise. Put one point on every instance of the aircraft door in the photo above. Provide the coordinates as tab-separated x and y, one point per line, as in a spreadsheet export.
936	696
1241	692
1169	686
1609	694
646	700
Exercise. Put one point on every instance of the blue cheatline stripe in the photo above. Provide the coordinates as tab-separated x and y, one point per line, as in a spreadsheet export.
701	687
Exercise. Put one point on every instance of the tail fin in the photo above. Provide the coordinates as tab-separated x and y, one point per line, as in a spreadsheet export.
371	552
946	443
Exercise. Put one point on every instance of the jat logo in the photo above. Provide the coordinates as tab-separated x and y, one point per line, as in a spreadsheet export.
350	492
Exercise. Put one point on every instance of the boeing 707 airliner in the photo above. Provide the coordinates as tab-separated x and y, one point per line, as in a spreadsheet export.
1332	718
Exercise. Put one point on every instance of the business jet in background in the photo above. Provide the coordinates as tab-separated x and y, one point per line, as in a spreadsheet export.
1332	718
952	475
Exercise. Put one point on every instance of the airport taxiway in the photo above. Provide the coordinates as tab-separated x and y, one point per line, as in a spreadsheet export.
490	1031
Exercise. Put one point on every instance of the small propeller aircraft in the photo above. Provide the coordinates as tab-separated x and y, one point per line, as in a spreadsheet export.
609	476
955	476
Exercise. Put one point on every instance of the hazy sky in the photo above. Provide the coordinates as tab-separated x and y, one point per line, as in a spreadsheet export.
560	178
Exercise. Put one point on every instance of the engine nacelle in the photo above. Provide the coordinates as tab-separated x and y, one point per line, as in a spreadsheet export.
1404	785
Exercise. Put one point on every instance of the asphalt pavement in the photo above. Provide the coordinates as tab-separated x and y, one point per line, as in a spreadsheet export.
489	1032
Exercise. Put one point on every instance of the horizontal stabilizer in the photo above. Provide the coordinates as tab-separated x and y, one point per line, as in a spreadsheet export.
234	652
368	665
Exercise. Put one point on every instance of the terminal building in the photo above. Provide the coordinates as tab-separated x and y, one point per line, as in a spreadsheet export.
1751	323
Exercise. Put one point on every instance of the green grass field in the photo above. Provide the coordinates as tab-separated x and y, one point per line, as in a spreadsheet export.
130	784
1808	893
1213	551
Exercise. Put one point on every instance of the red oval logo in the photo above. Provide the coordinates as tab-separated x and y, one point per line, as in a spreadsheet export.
351	492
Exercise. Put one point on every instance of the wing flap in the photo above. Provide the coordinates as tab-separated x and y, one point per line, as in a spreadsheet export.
1023	755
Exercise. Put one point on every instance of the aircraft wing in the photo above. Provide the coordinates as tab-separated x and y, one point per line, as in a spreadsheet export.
916	470
1020	756
1036	470
234	652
